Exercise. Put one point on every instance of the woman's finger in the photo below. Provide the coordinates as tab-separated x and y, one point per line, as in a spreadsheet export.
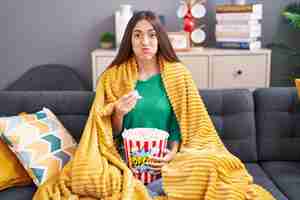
127	101
157	170
131	99
156	159
127	96
157	165
153	172
131	104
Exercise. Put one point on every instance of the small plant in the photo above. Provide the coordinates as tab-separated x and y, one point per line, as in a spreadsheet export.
107	37
292	14
107	40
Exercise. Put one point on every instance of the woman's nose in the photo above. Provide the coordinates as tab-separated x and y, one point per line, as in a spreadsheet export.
145	40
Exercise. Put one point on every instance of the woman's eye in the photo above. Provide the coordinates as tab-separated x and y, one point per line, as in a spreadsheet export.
152	35
137	35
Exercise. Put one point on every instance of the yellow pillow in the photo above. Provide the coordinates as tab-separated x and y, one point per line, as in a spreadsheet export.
12	172
297	83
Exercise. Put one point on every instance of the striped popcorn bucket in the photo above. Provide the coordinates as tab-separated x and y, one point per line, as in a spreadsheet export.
139	145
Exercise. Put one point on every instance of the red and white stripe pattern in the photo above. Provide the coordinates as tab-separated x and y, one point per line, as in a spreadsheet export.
132	144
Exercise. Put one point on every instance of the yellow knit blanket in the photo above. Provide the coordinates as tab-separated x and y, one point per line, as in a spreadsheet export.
202	170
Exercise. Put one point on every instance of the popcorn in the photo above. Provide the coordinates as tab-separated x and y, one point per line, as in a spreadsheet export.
136	94
140	145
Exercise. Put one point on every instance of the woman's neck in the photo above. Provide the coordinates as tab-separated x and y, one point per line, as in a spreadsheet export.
147	68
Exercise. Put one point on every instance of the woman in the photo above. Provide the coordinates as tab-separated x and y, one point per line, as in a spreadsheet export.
198	165
146	40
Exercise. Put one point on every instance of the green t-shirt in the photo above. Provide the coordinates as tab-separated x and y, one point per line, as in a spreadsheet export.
153	110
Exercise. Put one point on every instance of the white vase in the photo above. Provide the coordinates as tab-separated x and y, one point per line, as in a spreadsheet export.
122	18
125	10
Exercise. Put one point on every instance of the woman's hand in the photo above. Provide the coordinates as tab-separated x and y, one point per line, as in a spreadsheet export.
126	103
123	105
157	163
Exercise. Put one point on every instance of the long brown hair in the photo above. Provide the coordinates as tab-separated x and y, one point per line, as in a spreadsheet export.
165	48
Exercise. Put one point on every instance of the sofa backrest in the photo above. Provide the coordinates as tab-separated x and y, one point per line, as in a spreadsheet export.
278	124
71	107
232	112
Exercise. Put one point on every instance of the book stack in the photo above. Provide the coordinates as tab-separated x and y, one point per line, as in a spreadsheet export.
239	26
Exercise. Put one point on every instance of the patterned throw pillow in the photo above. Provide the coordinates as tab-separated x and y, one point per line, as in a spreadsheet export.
40	142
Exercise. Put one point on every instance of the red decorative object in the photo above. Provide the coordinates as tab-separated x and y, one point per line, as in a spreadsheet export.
188	23
190	11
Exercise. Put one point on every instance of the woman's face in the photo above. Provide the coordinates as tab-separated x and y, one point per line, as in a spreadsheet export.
144	41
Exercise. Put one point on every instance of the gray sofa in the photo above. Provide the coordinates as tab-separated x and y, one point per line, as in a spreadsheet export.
262	128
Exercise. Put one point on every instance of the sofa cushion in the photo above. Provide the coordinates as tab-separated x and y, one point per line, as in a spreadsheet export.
262	179
40	141
48	77
286	175
278	124
74	123
25	193
18	193
71	107
232	112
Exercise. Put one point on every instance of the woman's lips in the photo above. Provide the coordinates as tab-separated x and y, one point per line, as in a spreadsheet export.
146	50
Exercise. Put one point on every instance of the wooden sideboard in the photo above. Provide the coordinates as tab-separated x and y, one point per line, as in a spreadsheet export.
211	68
